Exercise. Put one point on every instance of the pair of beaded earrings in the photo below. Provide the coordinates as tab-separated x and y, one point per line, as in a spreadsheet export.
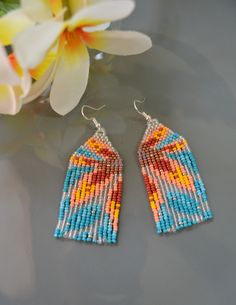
91	200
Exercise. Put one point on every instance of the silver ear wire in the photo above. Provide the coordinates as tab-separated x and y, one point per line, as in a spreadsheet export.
95	122
147	117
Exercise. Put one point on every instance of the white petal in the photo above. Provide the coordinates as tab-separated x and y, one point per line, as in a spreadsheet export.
10	102
100	27
39	70
119	42
103	12
75	5
37	10
11	24
40	85
7	73
32	45
70	82
25	83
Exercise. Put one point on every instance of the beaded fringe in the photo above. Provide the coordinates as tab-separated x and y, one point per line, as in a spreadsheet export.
175	189
91	199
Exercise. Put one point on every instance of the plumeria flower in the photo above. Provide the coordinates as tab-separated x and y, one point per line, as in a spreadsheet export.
84	29
14	85
10	25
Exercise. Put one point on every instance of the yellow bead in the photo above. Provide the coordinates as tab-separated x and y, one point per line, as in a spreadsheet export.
113	204
155	197
153	205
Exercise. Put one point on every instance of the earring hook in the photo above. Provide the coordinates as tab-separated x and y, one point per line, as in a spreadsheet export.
147	117
98	125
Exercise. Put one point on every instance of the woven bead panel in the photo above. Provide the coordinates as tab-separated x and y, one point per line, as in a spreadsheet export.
91	199
175	189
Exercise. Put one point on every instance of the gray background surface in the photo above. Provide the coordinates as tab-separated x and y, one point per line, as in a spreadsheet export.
189	80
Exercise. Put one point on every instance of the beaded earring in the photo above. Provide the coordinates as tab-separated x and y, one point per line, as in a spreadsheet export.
91	199
175	189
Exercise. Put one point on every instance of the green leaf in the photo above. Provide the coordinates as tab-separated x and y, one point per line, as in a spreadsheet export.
8	5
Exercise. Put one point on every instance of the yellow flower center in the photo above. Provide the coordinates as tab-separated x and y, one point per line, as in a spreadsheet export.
70	41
